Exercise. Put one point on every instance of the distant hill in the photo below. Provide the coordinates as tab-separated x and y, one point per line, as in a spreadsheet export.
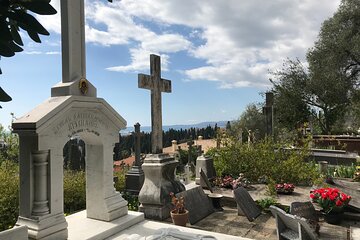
220	124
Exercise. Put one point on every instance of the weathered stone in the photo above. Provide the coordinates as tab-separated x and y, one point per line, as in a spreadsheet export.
269	112
246	204
156	84
159	181
206	163
197	203
292	227
305	210
204	181
134	178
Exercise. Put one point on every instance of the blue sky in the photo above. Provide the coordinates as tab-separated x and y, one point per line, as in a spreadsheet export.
216	53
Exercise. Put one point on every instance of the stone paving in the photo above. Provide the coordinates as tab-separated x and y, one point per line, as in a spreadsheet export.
264	227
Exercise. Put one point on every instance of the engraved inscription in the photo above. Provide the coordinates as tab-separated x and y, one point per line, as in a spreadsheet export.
80	122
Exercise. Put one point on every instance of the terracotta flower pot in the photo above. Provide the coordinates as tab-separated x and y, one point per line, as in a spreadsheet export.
180	219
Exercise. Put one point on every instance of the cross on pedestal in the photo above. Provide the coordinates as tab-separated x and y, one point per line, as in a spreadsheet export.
137	144
189	143
72	40
156	84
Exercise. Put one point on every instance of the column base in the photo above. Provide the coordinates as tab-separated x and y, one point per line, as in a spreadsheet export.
155	212
50	227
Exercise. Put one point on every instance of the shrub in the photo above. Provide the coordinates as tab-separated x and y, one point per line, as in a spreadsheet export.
9	198
264	159
120	175
74	191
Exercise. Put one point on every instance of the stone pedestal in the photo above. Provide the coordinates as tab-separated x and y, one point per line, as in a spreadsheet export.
134	180
159	182
207	165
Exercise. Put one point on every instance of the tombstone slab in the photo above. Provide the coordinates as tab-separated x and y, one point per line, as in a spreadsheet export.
246	204
42	134
197	203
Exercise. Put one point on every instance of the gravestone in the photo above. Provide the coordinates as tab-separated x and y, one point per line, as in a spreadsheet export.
246	205
268	111
305	210
204	181
292	227
134	178
159	168
206	163
72	110
197	203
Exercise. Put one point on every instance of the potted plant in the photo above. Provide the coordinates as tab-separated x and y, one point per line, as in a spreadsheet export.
284	188
179	214
332	201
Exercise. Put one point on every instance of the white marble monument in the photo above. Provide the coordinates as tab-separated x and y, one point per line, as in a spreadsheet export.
72	110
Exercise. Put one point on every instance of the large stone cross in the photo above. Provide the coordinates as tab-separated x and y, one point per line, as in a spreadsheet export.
73	40
156	84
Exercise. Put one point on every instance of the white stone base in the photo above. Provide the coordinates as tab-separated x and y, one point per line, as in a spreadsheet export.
145	229
81	227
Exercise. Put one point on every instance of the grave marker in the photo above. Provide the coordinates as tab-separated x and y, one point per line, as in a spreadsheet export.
204	181
305	210
156	84
246	204
197	203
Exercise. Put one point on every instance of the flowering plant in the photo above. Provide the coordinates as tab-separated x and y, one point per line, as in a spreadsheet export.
179	203
284	187
330	199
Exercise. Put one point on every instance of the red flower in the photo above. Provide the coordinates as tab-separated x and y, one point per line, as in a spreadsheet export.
338	203
312	196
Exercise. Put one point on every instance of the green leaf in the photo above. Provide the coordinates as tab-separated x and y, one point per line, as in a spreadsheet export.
15	47
16	36
5	50
4	97
28	22
34	36
4	31
40	8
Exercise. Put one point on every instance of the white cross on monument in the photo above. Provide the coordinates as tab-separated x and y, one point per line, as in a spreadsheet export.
73	40
156	84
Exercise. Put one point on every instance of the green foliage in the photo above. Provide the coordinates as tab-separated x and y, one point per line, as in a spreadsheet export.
271	187
251	119
133	201
264	159
265	203
342	171
9	197
14	16
74	191
120	175
11	151
327	91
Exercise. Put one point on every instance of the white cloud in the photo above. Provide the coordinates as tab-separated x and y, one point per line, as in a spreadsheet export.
239	41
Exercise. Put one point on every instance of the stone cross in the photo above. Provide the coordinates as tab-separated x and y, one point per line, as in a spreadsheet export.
137	144
156	84
268	111
189	143
72	40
